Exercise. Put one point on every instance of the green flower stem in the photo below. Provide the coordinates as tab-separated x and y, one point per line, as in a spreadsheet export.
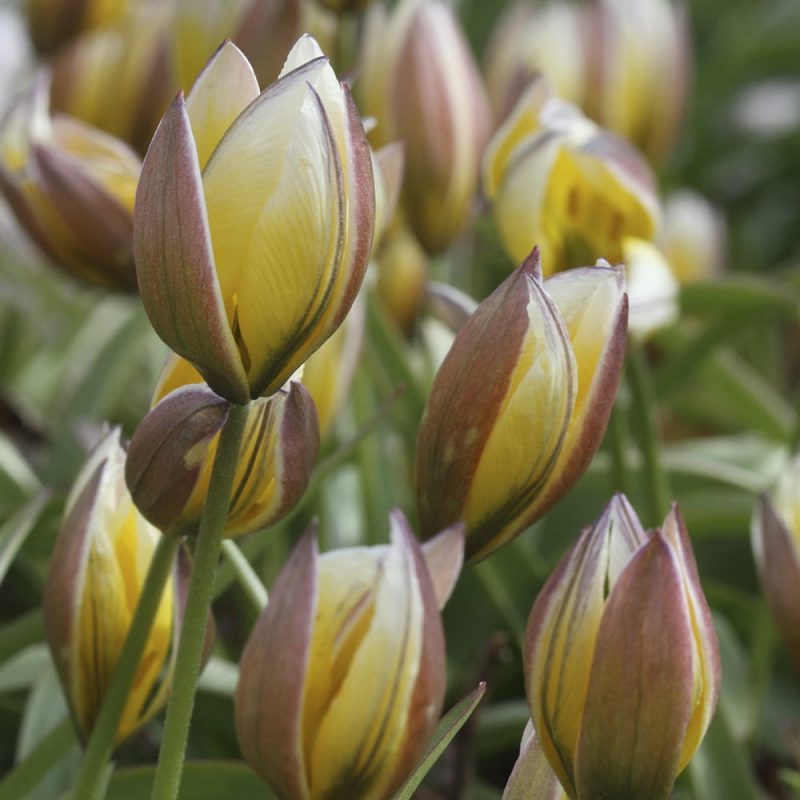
372	464
47	753
198	601
618	440
258	543
88	785
642	408
496	589
246	575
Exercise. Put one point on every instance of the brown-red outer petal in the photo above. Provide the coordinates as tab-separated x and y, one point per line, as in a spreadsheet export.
269	697
298	447
174	260
158	477
639	701
467	394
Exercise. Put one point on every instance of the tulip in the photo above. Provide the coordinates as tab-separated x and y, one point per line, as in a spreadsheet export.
172	452
419	80
532	777
776	545
621	659
254	220
328	374
533	40
96	574
652	288
558	181
343	678
520	404
118	78
53	23
72	188
265	30
638	61
402	268
693	237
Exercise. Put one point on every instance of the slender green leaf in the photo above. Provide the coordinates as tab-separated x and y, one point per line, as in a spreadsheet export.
24	669
450	724
16	530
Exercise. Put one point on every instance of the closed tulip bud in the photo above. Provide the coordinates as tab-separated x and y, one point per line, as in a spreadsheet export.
72	188
621	659
402	268
265	30
96	574
652	288
118	78
558	181
172	452
420	81
537	40
53	23
776	545
532	777
693	237
639	64
329	373
254	220
520	403
342	680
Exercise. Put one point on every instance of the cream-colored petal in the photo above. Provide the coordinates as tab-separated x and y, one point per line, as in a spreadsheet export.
652	288
221	92
274	215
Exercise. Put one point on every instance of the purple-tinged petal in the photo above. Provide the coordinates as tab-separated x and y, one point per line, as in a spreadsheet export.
269	704
640	695
174	259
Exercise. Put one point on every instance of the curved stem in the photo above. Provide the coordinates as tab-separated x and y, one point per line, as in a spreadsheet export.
642	406
246	575
101	740
32	770
198	601
617	436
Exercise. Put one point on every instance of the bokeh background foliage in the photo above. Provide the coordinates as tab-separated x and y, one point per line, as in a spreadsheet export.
727	399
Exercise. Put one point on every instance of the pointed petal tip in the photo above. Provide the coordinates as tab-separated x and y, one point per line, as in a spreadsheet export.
532	265
444	558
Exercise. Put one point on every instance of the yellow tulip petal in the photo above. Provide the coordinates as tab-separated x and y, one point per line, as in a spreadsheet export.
518	126
276	236
373	700
531	421
225	87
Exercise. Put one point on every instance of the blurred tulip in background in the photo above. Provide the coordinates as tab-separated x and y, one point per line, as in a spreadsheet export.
72	188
